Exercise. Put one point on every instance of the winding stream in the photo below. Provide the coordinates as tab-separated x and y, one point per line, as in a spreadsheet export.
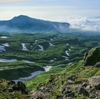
27	61
14	60
2	48
33	74
7	60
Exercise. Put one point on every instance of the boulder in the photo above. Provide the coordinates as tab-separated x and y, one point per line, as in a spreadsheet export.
15	87
11	82
92	57
84	92
51	78
59	97
94	81
73	77
22	87
86	85
37	95
10	90
97	64
97	87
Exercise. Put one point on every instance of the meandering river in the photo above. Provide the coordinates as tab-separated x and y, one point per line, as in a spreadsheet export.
33	74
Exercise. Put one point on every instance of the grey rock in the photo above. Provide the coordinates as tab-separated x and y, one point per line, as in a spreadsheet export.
94	81
10	90
97	64
84	92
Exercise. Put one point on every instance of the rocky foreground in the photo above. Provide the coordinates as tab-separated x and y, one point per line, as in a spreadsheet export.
80	80
12	90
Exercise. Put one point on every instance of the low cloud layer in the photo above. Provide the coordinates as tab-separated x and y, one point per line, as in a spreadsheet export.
81	23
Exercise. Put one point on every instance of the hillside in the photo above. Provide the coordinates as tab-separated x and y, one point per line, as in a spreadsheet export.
75	82
23	54
26	24
63	70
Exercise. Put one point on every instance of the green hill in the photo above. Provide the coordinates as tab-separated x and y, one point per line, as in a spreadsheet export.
74	82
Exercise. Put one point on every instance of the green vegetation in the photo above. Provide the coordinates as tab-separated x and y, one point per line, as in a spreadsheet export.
43	77
14	70
75	45
77	69
93	56
64	50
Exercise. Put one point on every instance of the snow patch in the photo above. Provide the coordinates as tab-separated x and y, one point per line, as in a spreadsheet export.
67	52
41	47
24	47
47	68
50	44
6	44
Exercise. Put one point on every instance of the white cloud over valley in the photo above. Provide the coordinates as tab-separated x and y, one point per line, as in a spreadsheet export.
81	23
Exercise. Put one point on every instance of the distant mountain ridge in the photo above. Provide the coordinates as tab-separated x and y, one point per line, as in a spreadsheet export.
26	24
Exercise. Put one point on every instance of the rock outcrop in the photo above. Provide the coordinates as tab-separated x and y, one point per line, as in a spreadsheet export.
78	82
92	57
95	82
12	90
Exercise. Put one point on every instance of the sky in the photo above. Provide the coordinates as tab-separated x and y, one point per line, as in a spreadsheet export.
48	9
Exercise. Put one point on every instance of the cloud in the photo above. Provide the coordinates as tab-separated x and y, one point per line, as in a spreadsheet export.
81	23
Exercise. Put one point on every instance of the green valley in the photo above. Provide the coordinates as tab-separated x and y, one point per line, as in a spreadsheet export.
51	63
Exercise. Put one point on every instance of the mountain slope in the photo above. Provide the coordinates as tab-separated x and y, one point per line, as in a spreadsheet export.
75	82
26	24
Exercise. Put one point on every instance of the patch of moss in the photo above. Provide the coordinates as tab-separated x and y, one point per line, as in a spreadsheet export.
92	57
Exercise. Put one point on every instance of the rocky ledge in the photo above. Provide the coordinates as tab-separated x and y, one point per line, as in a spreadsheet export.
12	90
80	80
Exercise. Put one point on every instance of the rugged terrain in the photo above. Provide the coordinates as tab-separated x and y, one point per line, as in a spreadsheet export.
74	72
78	81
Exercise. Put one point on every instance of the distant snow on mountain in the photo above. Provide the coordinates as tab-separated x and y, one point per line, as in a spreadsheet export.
81	23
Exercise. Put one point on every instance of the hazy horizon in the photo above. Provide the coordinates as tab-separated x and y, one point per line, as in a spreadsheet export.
81	14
